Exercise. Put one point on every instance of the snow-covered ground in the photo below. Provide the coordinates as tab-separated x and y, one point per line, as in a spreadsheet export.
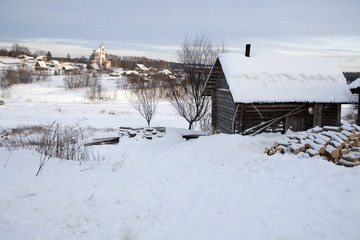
215	187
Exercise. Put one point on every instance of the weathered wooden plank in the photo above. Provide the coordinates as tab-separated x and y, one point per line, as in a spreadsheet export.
275	106
102	141
225	108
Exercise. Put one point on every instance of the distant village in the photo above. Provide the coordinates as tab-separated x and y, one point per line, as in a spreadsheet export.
98	62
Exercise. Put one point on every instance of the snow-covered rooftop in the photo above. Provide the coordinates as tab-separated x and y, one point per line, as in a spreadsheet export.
355	84
68	67
142	67
41	64
284	79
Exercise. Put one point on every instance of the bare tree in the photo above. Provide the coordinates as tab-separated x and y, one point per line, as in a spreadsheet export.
196	56
20	75
39	52
18	49
4	52
144	97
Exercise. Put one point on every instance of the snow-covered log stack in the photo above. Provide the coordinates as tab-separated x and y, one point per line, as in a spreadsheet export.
340	145
147	133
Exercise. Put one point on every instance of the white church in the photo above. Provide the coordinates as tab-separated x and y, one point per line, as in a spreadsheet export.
100	58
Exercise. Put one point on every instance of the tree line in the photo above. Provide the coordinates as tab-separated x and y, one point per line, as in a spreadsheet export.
125	62
129	62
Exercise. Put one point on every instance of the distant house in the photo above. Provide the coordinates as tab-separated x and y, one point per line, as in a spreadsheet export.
166	72
55	64
40	58
68	68
141	68
40	66
274	93
26	58
129	72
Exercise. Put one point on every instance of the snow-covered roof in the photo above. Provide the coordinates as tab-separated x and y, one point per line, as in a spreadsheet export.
25	57
355	84
266	79
166	71
131	72
142	67
41	64
68	67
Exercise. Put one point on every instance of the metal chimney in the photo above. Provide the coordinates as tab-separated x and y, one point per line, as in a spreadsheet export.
247	50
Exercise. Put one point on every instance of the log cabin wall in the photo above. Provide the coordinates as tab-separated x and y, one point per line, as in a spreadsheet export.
225	110
213	110
250	115
223	107
331	114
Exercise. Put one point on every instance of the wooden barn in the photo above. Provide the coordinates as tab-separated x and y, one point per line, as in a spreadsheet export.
275	93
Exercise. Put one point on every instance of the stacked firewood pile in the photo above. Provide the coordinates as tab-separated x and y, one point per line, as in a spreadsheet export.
340	145
147	133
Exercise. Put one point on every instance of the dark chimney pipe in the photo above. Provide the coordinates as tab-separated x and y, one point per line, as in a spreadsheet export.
247	50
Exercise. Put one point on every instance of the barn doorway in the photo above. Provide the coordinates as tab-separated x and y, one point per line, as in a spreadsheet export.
294	123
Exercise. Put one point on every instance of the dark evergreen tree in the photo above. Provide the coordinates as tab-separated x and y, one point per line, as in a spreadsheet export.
48	56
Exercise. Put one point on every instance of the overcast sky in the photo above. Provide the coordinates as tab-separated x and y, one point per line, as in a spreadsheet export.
156	28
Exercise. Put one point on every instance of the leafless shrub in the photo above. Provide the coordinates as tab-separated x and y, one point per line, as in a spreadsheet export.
95	92
144	97
6	93
205	123
121	83
98	93
79	79
351	114
119	163
161	81
41	76
54	141
197	56
20	75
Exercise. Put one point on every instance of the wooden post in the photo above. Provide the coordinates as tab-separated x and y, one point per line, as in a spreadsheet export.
242	118
234	125
213	110
338	119
358	118
357	91
318	110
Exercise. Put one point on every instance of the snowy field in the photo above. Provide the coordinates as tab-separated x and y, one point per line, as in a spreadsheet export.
218	187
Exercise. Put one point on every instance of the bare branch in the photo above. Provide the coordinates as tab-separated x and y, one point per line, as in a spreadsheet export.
197	56
144	97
